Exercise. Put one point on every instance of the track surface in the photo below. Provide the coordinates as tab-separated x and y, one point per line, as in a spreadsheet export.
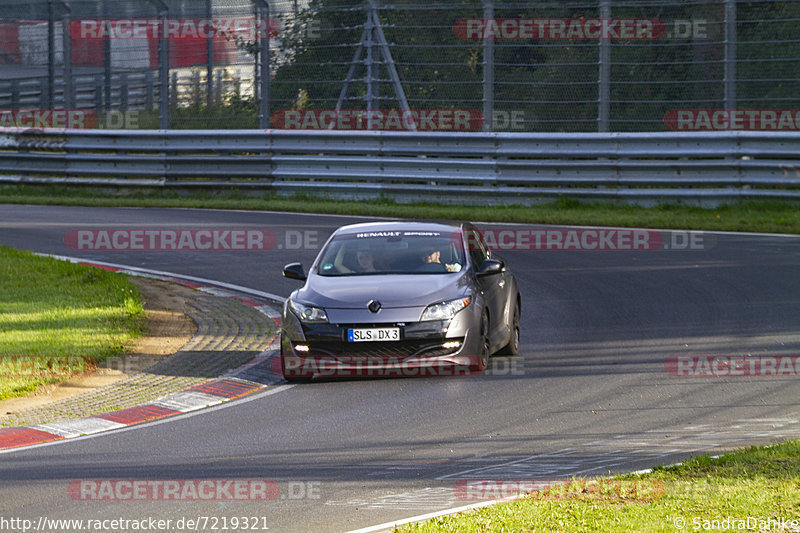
589	394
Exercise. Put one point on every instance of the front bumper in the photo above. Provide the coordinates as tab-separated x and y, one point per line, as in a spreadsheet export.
430	348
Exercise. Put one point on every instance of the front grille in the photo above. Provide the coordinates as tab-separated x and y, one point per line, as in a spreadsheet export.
381	349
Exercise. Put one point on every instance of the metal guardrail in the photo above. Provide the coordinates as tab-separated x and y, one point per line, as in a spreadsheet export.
466	168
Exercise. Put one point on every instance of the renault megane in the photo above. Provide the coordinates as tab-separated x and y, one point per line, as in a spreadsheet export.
396	299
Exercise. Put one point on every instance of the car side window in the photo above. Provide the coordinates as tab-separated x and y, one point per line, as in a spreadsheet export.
477	248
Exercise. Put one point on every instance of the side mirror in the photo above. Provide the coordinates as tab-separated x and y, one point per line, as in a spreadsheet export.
294	271
491	266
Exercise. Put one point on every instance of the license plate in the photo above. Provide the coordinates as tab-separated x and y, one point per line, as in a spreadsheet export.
373	334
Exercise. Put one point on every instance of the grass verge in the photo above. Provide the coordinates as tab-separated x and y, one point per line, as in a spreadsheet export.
755	489
59	319
757	216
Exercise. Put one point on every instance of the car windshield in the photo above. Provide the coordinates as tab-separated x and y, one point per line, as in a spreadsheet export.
393	252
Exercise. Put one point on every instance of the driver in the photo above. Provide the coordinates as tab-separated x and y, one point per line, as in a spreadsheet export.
432	255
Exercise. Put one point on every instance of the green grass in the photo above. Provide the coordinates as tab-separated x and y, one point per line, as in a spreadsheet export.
758	482
58	319
758	216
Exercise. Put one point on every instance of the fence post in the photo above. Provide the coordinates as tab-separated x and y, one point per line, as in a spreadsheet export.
174	94
604	74
50	96
488	71
163	65
730	54
123	91
262	13
369	62
107	62
210	59
14	94
98	93
149	83
66	20
218	88
263	68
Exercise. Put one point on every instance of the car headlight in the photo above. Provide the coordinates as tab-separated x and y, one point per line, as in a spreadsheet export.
308	313
445	310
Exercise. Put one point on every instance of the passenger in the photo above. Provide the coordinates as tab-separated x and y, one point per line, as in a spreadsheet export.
366	261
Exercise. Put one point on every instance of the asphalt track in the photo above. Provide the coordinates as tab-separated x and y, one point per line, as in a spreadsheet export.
591	392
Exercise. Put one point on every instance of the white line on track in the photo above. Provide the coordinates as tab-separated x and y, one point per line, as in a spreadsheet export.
388	526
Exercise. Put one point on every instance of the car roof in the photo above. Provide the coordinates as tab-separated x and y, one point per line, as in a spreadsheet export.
397	226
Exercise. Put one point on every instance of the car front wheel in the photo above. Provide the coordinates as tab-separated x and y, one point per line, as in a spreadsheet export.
483	357
512	348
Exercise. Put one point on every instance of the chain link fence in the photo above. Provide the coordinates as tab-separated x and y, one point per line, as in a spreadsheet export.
461	65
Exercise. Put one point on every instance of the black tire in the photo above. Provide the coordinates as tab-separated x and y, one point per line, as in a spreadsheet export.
512	348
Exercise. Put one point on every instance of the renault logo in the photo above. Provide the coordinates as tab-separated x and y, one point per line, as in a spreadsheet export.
374	306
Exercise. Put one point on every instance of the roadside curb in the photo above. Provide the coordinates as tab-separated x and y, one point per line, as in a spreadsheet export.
256	374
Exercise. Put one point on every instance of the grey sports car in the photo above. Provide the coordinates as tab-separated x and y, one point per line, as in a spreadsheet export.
399	299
